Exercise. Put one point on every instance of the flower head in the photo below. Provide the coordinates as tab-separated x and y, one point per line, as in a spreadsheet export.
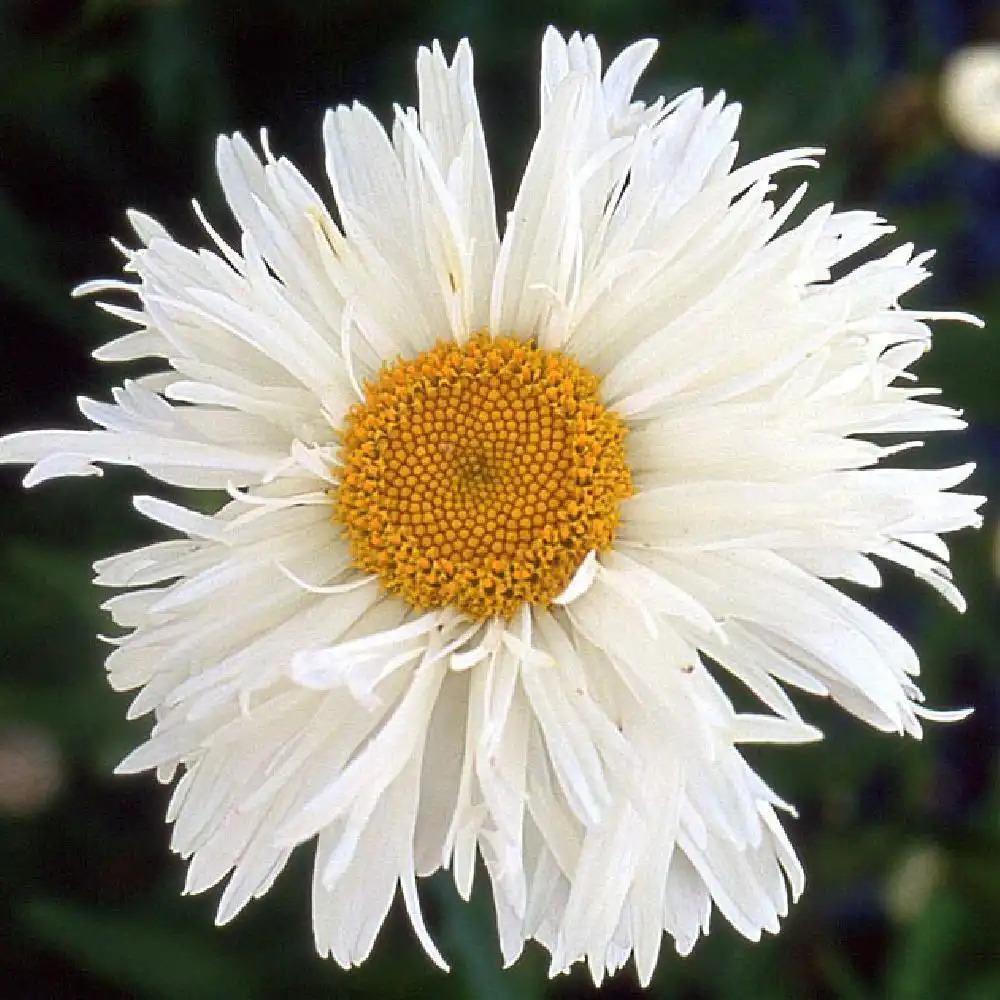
503	507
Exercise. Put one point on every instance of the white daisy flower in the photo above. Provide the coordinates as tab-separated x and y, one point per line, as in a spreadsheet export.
502	508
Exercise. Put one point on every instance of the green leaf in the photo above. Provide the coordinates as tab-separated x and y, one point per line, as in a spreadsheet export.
138	951
919	966
470	939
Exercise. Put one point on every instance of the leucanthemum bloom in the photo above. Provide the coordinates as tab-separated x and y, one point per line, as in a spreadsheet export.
504	506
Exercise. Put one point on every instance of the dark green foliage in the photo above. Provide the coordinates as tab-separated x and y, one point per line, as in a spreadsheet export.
110	104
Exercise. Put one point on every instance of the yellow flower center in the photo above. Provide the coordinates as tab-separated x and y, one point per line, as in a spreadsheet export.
480	475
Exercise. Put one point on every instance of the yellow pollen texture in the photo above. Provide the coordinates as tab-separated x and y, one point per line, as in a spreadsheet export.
480	475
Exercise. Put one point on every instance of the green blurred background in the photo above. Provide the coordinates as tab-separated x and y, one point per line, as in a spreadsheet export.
110	104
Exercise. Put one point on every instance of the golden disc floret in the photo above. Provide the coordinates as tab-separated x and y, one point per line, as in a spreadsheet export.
479	475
